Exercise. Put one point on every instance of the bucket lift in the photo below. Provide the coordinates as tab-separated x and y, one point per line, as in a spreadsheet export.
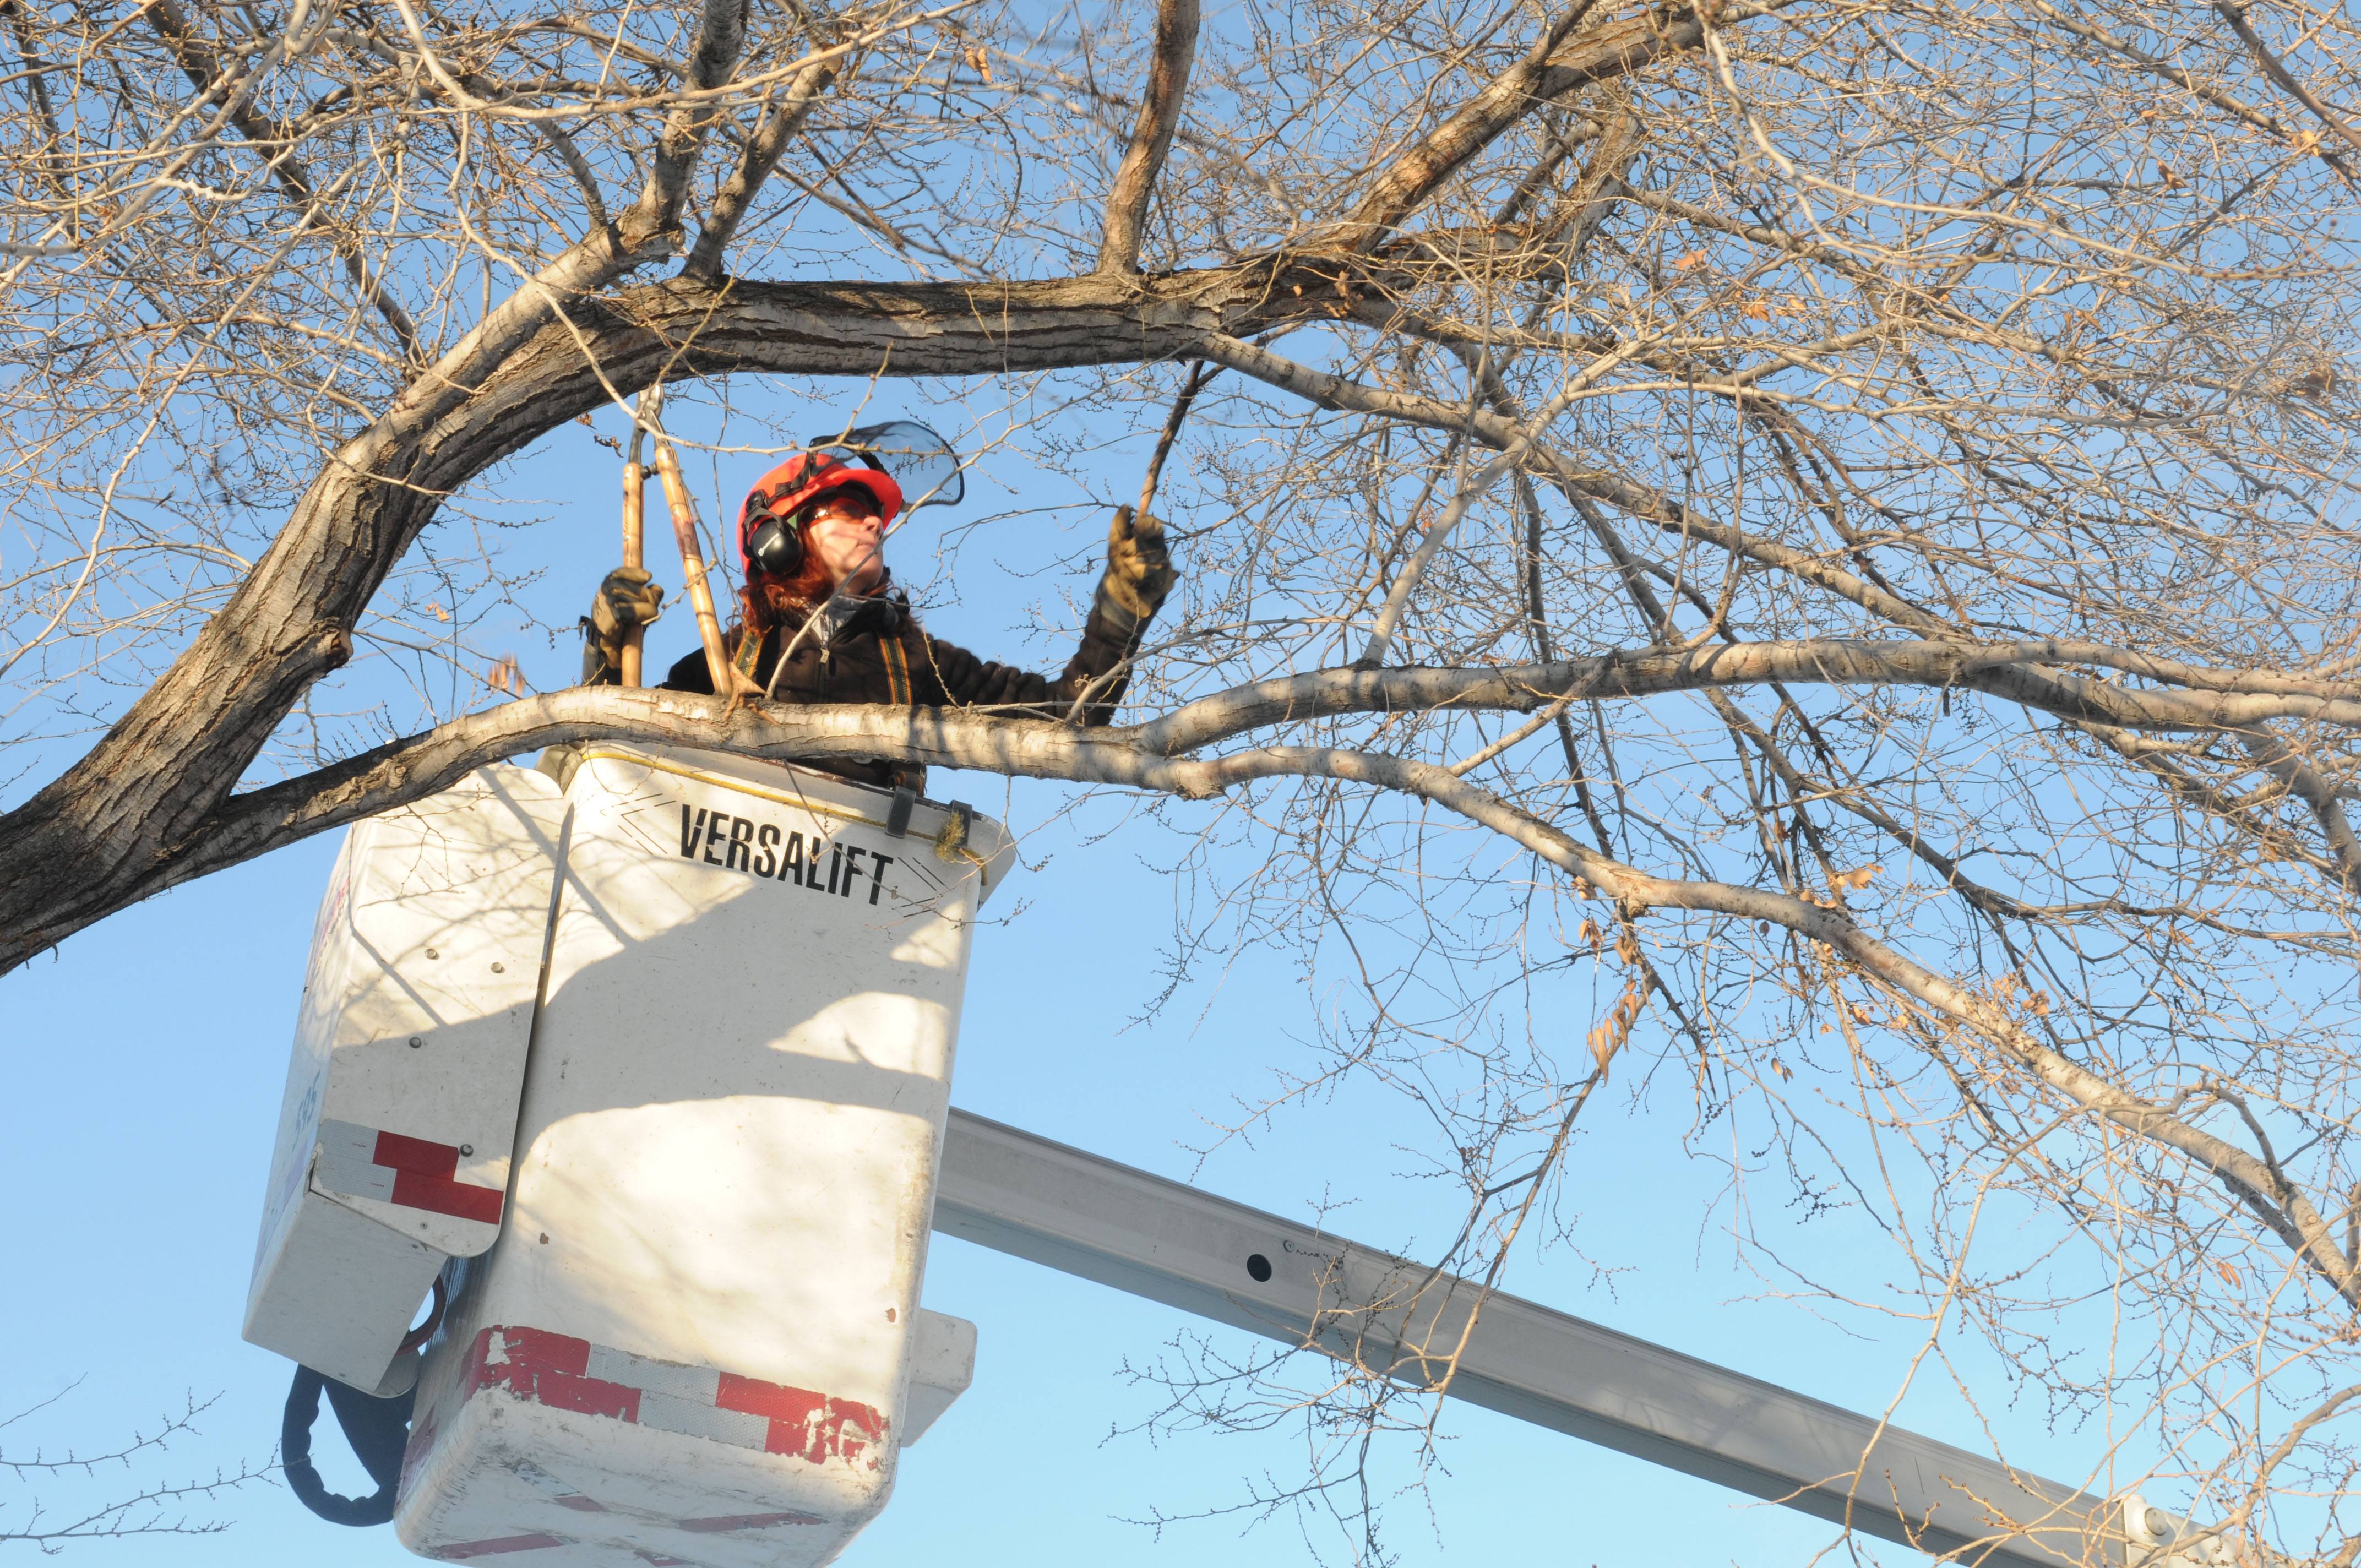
646	1068
682	1235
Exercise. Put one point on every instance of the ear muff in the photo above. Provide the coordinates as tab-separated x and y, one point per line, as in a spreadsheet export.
777	547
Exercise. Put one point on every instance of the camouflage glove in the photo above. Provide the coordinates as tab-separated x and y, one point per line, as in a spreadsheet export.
1139	571
629	598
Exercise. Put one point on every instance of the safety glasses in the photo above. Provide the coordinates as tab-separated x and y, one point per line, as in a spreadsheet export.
920	460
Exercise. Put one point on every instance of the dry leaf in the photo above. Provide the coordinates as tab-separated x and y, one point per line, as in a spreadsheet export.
2229	1275
1857	878
1689	263
440	613
1756	311
1609	1037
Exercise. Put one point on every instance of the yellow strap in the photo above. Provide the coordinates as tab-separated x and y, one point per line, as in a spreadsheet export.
898	670
750	652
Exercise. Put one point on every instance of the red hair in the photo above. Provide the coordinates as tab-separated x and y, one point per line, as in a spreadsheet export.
766	599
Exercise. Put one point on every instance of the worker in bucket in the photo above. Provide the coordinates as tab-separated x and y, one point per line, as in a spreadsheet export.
811	540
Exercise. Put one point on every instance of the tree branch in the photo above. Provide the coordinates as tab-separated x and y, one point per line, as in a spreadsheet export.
1617	49
252	823
721	38
1151	137
203	68
779	127
2278	73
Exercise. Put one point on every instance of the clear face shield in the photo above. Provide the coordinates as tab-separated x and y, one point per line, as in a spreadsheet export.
920	460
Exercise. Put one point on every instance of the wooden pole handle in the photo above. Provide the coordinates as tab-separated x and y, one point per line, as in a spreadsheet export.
692	565
636	498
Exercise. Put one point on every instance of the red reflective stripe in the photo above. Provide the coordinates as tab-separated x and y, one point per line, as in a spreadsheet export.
756	1398
588	1396
423	1177
746	1521
442	1196
805	1425
467	1549
547	1369
404	1153
524	1353
552	1369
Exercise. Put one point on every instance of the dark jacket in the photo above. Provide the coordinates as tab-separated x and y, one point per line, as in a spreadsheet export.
876	652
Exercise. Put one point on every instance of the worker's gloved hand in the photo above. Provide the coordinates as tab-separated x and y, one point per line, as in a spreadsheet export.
1139	571
629	598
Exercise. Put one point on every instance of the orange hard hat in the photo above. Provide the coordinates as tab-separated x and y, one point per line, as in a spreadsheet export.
797	483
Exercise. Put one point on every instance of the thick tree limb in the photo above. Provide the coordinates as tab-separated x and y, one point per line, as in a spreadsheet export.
249	824
1507	98
1151	137
1525	688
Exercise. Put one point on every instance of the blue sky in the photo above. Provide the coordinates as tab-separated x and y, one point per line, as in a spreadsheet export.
144	1062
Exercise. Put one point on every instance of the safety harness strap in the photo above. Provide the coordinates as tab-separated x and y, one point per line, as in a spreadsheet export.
897	669
749	649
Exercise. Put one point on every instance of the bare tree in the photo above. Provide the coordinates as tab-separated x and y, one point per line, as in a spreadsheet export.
1789	560
152	1507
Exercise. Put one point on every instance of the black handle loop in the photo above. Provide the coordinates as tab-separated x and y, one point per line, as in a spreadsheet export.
377	1428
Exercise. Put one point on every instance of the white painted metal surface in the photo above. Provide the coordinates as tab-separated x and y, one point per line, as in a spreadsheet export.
1074	1211
694	1342
942	1364
410	1047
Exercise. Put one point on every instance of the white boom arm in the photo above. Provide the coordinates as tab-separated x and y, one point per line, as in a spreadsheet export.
1076	1212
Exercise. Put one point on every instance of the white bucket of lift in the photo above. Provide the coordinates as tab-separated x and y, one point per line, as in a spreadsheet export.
698	1339
409	1050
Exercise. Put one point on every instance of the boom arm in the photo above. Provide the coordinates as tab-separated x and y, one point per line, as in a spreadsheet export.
1076	1212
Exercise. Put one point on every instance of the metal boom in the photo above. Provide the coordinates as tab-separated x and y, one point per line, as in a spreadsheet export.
1009	1190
